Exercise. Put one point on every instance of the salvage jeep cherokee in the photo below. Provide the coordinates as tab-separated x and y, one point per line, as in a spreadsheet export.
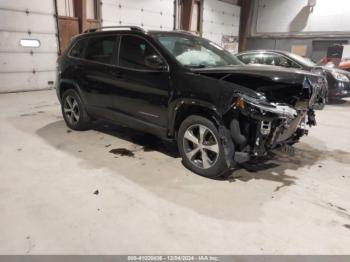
179	86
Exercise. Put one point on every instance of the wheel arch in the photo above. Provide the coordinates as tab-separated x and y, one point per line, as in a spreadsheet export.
209	111
66	84
184	108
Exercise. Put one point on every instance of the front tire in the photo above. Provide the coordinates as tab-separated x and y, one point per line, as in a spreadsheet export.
200	147
74	112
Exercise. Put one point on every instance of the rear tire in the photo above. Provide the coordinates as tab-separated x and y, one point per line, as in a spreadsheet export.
74	112
200	147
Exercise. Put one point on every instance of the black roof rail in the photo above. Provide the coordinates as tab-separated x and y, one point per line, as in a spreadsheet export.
131	27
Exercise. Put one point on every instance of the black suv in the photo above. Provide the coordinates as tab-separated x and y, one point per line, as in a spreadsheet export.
179	86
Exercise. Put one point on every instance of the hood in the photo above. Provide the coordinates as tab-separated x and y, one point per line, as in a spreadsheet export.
271	73
277	84
334	69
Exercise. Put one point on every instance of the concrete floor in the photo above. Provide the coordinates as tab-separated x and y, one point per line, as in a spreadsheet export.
150	204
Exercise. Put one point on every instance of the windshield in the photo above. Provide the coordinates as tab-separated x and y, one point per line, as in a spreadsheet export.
194	51
302	60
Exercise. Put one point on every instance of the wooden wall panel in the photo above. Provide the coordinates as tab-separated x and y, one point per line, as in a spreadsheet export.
187	10
68	27
71	26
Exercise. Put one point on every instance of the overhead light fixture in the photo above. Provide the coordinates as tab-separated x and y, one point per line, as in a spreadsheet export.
30	43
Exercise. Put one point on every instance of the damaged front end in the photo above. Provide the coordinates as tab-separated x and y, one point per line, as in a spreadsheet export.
257	125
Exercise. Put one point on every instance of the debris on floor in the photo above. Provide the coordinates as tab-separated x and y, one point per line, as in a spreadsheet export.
27	115
338	207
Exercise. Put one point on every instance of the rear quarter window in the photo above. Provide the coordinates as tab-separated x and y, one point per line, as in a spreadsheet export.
78	49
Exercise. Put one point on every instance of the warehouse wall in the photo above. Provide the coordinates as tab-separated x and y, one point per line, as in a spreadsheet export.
281	24
316	48
291	16
149	14
220	19
27	68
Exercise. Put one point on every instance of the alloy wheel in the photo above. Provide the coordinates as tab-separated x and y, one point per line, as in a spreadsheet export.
71	110
201	146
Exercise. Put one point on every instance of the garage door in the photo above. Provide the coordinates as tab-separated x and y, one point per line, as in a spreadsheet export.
149	14
221	23
28	45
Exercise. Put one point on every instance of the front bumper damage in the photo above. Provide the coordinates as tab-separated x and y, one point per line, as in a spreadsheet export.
257	126
262	129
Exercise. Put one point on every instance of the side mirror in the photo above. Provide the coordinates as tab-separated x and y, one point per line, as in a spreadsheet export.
155	62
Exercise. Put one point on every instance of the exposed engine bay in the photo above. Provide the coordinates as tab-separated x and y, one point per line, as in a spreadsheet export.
272	113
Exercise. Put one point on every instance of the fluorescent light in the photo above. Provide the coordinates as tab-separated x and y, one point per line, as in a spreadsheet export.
30	43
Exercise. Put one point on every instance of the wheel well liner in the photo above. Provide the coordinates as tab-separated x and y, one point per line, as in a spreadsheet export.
66	84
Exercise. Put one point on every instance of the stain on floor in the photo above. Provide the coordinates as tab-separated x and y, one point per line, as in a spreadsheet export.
122	152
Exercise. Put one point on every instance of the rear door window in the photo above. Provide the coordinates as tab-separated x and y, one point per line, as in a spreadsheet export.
251	58
271	59
279	60
101	49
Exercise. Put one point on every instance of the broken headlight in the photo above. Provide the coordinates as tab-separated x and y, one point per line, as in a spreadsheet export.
263	105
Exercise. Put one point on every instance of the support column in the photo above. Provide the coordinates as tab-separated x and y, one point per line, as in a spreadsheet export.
80	13
244	23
